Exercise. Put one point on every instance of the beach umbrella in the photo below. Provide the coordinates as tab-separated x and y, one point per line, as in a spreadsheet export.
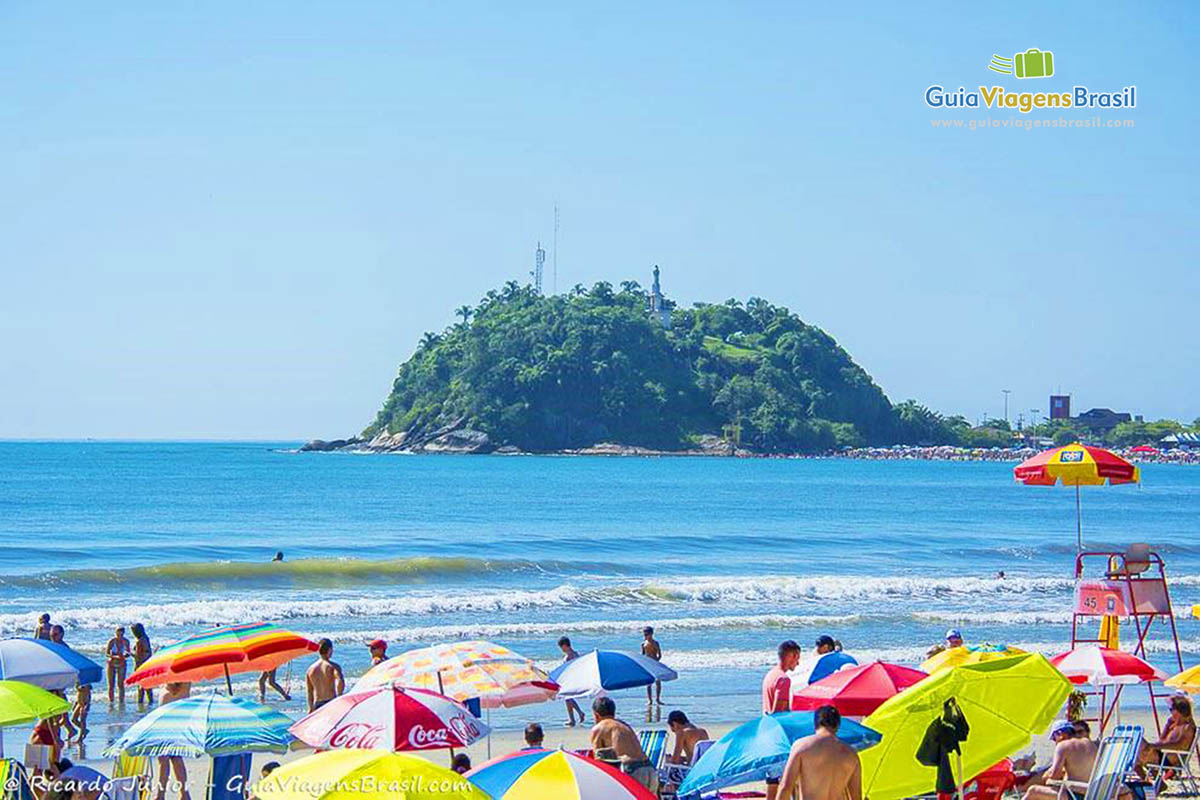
1145	448
218	652
825	665
206	724
857	691
759	749
355	774
558	774
962	655
608	670
22	702
80	778
1101	666
465	670
1186	681
1076	465
390	718
1005	702
46	664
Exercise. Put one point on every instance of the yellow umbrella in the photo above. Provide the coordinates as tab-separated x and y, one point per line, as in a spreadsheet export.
961	656
1187	681
1005	702
363	774
23	702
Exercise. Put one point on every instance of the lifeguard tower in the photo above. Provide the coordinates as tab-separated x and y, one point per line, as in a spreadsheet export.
1129	586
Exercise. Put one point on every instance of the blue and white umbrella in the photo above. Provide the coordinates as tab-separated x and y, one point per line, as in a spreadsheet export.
606	671
206	724
46	664
825	665
759	749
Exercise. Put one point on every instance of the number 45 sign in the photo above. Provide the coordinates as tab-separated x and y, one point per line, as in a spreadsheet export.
1102	598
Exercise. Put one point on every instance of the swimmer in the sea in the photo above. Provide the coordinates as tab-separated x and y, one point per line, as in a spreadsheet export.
278	556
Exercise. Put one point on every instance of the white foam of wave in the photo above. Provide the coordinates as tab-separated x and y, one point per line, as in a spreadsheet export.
486	630
966	618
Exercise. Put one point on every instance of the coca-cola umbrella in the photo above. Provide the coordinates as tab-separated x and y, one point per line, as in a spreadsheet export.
1101	666
390	718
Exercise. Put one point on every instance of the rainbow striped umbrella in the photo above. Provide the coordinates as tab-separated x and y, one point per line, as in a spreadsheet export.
1076	465
464	670
239	648
561	774
206	724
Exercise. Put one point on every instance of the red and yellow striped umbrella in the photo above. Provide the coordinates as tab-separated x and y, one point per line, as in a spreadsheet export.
1076	465
218	652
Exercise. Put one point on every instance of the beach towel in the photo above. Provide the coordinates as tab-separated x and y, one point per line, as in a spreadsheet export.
230	777
942	738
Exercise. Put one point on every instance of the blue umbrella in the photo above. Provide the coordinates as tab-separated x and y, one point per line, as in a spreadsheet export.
608	670
82	779
759	749
828	664
46	664
212	724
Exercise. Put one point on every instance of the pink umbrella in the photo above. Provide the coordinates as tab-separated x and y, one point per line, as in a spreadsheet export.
857	691
1101	666
390	718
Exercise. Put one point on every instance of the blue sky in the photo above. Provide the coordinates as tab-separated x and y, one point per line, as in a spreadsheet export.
235	220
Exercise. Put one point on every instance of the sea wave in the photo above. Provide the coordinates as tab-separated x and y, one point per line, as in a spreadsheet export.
308	572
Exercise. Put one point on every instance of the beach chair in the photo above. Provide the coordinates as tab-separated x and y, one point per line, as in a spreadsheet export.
654	745
1114	763
230	777
133	777
14	782
1175	765
673	774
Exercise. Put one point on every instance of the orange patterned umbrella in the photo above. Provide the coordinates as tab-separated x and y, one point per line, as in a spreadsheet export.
463	670
238	648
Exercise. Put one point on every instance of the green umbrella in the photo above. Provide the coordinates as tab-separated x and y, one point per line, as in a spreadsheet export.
23	702
1005	702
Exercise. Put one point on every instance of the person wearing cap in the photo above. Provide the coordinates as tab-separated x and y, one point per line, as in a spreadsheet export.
652	649
378	648
1074	757
954	638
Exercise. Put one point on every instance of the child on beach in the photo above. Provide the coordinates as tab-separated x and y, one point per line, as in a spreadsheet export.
118	654
81	707
569	654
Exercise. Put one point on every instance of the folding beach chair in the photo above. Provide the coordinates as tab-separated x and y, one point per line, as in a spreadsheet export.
1114	763
132	778
654	745
230	777
14	782
673	774
1175	765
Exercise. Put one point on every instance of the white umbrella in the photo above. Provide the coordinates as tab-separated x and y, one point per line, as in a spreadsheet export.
608	670
45	664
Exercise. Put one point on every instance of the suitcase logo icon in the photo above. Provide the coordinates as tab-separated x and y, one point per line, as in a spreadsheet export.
1033	63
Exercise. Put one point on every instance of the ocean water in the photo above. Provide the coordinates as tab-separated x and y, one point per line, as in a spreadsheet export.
725	558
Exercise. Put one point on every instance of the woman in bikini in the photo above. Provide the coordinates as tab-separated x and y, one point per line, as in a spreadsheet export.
118	654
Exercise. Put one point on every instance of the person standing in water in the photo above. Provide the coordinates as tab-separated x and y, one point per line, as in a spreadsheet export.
652	649
117	651
141	654
324	680
42	631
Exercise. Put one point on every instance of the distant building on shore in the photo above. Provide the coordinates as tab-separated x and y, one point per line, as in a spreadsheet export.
1098	421
1060	406
658	303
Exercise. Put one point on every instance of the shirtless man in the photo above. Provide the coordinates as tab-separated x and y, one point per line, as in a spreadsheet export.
821	766
686	736
1074	756
613	739
324	679
652	649
569	654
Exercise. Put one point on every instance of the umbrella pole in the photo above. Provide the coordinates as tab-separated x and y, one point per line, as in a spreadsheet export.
228	681
489	736
961	790
1078	521
442	691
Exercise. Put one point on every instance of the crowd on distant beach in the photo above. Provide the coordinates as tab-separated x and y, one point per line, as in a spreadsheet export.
951	453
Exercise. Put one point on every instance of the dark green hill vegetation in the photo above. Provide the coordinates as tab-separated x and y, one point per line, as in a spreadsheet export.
546	373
